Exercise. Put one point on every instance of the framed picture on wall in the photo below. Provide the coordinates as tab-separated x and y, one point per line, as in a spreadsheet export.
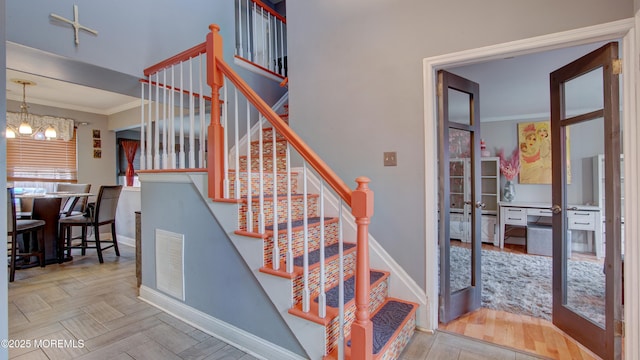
97	153
97	143
534	141
96	133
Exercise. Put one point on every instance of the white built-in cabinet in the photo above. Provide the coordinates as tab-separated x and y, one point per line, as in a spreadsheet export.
599	193
460	197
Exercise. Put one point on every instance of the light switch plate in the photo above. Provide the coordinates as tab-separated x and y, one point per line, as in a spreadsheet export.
390	159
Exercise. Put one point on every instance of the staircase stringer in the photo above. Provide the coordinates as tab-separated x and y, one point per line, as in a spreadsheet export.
401	285
279	290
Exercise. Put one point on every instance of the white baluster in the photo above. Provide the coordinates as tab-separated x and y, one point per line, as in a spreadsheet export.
201	112
340	285
270	62
239	49
225	115
237	146
192	119
164	119
322	298
181	145
275	44
253	36
249	195
149	126
276	245
249	35
263	37
261	178
282	48
289	258
305	224
156	159
172	130
142	144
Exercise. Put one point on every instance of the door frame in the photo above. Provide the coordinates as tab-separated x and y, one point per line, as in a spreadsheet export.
622	29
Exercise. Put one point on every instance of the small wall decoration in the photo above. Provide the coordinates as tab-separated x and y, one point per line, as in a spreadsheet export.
97	153
97	143
534	142
96	133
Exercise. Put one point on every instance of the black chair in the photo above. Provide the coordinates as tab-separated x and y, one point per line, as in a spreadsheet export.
104	214
21	227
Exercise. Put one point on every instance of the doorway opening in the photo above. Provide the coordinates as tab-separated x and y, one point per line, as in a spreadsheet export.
501	130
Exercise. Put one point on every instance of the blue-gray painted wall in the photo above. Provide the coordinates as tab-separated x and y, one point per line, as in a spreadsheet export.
217	280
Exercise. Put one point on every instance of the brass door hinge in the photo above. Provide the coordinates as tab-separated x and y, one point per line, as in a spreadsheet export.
617	66
618	328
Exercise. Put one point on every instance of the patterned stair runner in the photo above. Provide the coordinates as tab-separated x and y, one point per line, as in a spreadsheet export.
349	289
314	256
386	321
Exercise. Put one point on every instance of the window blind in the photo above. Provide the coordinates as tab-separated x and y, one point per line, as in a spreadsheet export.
41	160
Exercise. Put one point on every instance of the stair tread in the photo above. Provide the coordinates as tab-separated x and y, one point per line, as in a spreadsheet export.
387	321
349	289
296	223
314	256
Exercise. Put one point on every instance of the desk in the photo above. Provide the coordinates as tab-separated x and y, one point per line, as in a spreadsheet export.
47	207
580	217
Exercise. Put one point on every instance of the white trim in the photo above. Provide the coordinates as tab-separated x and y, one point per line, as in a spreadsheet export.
602	32
217	328
125	240
256	69
165	177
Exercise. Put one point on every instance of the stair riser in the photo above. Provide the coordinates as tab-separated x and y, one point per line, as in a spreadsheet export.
377	296
399	343
267	183
297	241
267	163
297	210
267	133
331	276
267	147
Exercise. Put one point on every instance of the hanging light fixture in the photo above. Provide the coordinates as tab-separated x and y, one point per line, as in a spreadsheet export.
25	117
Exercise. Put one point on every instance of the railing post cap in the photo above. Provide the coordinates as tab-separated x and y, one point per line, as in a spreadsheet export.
214	27
362	180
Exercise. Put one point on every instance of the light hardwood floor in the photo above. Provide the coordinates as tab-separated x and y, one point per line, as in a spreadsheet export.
98	304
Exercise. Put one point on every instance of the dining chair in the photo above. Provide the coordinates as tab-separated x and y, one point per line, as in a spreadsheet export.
73	205
105	214
21	227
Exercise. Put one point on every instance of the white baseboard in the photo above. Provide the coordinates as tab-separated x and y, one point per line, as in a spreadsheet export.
124	240
228	333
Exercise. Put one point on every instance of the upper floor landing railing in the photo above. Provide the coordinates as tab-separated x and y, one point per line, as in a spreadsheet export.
261	37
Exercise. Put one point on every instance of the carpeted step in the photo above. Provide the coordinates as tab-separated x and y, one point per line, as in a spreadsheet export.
349	289
297	237
267	163
297	209
267	148
393	326
267	177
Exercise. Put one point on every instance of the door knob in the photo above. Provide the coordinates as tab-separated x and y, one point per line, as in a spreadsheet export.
480	205
556	209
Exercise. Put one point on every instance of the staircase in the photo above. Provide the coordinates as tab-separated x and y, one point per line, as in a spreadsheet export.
318	281
393	319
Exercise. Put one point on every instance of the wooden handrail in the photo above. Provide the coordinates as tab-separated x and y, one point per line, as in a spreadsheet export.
183	56
270	10
208	98
305	151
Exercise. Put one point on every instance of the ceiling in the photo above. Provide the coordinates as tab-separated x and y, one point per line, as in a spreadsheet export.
56	93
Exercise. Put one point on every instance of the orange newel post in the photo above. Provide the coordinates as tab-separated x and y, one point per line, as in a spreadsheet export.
362	328
215	156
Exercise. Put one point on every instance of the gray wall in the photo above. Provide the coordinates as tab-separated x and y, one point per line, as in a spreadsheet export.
217	280
4	329
356	88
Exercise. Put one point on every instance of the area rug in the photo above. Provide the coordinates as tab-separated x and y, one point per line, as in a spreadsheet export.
522	284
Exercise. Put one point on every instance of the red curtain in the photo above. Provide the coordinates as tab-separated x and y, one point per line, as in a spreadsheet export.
130	147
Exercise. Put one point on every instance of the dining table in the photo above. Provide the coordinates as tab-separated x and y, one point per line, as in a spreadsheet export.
47	207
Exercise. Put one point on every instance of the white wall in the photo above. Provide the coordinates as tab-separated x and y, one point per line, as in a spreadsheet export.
356	88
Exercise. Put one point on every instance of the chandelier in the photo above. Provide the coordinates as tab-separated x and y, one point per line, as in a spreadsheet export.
26	120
